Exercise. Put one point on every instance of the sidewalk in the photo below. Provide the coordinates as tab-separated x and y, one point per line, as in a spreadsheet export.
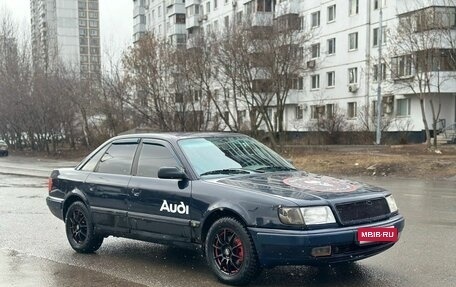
29	166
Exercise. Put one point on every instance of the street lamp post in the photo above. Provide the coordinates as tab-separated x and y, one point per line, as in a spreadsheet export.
379	76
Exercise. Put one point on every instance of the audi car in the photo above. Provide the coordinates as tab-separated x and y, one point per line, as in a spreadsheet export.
232	197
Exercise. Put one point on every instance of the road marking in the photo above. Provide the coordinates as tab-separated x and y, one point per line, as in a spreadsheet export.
449	196
413	195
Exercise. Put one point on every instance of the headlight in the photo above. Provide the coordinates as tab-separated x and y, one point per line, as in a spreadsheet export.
290	215
318	215
391	203
306	215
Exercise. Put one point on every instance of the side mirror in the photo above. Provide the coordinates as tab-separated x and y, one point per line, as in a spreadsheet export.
171	173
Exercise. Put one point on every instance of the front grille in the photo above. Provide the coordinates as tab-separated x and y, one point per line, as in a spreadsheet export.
363	211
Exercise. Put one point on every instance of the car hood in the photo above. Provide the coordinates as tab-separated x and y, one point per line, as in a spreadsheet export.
301	185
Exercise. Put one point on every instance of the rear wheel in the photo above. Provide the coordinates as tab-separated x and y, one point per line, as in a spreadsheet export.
79	229
230	252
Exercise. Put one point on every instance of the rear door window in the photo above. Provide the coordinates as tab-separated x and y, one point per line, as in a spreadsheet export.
118	158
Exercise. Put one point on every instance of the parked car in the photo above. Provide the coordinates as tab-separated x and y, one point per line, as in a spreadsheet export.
3	148
242	203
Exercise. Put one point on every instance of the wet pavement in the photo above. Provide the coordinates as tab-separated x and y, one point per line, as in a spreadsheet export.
34	250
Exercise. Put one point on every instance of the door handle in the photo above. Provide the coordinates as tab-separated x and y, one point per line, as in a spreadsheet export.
135	192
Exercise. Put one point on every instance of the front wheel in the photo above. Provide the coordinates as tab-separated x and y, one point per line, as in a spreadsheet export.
79	229
230	252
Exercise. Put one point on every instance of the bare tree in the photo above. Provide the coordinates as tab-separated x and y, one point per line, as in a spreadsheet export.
418	60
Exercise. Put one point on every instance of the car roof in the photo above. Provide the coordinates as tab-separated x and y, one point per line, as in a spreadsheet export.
175	136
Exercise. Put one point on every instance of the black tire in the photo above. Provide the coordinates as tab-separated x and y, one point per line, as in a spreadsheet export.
79	229
230	252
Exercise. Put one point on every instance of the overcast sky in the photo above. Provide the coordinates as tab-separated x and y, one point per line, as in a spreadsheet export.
116	22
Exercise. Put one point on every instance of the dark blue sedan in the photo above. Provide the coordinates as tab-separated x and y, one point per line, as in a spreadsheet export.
240	202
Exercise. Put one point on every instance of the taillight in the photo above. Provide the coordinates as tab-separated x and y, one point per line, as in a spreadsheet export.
49	184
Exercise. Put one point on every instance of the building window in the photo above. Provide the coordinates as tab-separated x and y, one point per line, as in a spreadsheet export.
299	113
331	46
315	82
377	4
94	42
297	83
227	22
82	5
353	7
315	51
376	36
331	13
403	107
83	41
331	77
317	112
315	17
353	75
215	4
82	23
401	66
82	14
353	41
180	18
82	32
239	17
159	11
84	59
93	15
264	5
93	6
351	110
93	32
382	72
94	24
329	110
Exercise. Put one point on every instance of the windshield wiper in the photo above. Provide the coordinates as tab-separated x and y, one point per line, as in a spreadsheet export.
275	168
226	171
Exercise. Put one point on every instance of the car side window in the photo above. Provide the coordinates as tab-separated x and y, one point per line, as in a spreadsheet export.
152	158
92	162
118	159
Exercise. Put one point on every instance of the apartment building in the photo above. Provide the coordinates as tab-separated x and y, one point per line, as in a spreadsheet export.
163	18
66	32
341	73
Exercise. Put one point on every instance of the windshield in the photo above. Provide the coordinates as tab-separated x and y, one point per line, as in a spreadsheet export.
231	155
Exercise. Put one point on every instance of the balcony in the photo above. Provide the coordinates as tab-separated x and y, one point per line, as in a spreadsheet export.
139	28
139	10
189	3
176	29
175	9
192	21
287	7
262	19
293	97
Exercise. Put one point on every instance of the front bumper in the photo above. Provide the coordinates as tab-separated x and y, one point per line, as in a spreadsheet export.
293	247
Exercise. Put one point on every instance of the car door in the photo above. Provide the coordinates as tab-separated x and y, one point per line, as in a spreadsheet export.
106	187
158	208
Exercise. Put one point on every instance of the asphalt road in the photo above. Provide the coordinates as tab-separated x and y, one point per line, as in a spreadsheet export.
34	250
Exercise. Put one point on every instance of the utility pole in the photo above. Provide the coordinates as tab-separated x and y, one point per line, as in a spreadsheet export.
379	75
